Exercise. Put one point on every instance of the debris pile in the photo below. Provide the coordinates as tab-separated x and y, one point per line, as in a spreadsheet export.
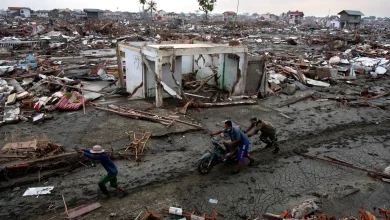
30	150
308	213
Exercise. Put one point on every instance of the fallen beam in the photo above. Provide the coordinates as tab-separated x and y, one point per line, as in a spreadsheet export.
136	116
346	165
224	104
154	116
295	99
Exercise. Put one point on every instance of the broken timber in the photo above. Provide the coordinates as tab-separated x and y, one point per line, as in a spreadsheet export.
295	99
223	104
145	115
84	210
153	116
346	165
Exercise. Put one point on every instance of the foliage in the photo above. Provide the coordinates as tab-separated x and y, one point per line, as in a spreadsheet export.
206	6
152	6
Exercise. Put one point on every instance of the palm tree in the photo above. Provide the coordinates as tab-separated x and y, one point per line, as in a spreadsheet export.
143	2
152	7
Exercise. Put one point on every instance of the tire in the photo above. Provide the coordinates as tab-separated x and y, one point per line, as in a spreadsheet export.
203	167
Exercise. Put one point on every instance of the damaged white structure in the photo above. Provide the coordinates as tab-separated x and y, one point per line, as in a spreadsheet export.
152	69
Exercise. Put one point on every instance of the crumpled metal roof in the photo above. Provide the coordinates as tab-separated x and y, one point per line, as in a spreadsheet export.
351	12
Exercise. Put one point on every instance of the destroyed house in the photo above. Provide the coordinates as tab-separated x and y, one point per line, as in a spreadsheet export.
157	70
229	16
295	17
42	13
350	19
171	16
19	11
94	13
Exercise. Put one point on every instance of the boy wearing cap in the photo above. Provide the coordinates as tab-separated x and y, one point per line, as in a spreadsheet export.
97	153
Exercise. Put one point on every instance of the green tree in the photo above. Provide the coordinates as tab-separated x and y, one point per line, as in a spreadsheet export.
152	7
206	6
143	2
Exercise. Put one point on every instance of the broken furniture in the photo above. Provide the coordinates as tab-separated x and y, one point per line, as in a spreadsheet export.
153	68
138	145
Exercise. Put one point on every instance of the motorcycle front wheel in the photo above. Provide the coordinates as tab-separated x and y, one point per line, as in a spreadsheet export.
203	167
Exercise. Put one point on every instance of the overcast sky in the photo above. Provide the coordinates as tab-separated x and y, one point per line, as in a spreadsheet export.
379	8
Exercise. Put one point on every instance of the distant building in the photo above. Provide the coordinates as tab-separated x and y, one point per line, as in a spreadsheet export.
333	21
255	16
42	13
193	16
64	14
269	17
161	13
295	17
171	16
78	14
350	19
229	16
93	13
19	11
133	15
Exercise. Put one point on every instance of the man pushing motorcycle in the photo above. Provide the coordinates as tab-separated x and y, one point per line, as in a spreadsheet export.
238	139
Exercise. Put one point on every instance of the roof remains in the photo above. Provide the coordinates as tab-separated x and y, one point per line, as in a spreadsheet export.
17	8
92	10
230	12
351	12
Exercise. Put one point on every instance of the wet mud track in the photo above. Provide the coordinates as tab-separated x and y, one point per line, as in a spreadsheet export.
276	183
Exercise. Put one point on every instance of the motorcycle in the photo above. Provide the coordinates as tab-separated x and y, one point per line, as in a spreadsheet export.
218	153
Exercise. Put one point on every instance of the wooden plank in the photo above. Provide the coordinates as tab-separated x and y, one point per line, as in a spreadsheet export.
84	210
295	99
20	145
74	209
13	156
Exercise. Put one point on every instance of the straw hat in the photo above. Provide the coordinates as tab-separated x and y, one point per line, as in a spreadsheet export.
97	149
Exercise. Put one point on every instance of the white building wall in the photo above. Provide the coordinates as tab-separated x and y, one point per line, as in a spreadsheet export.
25	13
187	64
134	73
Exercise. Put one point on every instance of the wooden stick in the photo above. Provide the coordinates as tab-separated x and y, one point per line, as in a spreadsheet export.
82	94
165	122
204	82
346	165
66	208
164	117
379	96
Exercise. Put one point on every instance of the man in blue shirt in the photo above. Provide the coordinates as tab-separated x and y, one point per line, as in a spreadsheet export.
238	138
97	153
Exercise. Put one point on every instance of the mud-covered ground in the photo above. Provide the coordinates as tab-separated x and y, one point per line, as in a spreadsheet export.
168	177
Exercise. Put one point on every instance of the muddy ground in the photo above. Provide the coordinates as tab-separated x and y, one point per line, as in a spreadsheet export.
168	177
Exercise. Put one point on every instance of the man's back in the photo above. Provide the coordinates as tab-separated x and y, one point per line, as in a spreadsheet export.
236	133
